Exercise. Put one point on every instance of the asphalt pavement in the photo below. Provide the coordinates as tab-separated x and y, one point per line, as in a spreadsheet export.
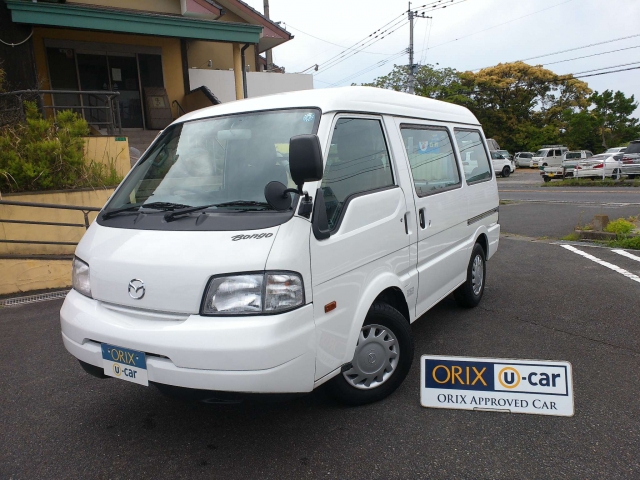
529	209
542	301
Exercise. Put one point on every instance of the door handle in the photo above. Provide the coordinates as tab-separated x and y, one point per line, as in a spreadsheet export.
406	223
421	215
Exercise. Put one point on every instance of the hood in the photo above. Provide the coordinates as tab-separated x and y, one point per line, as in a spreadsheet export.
174	266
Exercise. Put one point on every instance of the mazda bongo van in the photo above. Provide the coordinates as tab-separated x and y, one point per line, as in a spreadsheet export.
275	244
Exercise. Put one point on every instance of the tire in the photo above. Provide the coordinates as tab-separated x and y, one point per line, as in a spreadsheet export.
616	175
631	177
468	295
506	172
385	323
546	179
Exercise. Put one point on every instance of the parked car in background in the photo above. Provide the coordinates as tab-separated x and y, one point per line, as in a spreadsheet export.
631	159
548	156
502	165
523	159
505	154
571	158
616	150
493	145
592	167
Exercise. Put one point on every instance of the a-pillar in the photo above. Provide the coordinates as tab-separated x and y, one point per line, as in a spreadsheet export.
237	71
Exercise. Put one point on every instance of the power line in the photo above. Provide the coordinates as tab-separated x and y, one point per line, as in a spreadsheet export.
327	41
369	68
568	50
605	68
395	27
592	55
605	73
365	39
391	27
500	24
353	52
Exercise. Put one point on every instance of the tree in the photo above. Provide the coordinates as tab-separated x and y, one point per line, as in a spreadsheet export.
519	104
431	82
612	111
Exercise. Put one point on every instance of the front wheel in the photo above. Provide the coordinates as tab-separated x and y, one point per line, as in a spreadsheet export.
470	292
381	361
546	179
506	172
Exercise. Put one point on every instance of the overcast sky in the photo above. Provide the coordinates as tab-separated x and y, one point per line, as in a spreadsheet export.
564	24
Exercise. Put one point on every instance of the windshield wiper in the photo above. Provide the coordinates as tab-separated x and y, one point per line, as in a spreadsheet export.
169	216
136	208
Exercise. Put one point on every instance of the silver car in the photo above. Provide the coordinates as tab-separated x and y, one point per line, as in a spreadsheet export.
523	159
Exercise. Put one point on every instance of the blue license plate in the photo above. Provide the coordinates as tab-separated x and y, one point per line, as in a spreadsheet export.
125	364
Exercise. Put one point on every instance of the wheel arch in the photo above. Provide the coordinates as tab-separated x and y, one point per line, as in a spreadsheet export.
386	285
483	240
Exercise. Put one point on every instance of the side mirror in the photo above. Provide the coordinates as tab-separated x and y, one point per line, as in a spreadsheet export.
305	159
277	195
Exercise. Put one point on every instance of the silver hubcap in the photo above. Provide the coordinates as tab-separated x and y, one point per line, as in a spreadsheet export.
375	359
477	274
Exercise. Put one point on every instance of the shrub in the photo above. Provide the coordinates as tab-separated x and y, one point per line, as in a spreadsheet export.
43	154
620	227
631	243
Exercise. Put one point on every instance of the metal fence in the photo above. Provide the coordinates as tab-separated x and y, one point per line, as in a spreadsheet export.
84	210
100	108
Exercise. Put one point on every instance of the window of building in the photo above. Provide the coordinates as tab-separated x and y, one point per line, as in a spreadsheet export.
433	163
358	162
475	162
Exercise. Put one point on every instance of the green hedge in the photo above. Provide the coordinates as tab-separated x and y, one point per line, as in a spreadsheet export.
47	154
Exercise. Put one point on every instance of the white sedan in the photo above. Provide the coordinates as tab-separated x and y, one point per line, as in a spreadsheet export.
592	168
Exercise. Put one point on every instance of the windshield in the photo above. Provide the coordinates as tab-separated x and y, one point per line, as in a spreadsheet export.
217	160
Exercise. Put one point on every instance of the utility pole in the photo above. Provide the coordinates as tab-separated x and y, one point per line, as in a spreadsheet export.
268	52
412	66
412	78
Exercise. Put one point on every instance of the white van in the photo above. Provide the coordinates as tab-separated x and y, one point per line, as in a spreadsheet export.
548	156
278	243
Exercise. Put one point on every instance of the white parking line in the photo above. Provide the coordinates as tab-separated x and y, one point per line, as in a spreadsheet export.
613	267
627	254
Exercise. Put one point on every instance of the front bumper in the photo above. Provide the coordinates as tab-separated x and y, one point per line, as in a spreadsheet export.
261	354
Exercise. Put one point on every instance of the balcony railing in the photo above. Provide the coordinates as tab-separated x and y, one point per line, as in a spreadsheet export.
100	108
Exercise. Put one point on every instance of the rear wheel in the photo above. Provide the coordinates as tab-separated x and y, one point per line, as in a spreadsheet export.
631	177
616	175
470	292
506	172
381	361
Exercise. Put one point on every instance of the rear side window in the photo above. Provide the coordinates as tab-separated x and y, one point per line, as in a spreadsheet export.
475	161
433	163
358	162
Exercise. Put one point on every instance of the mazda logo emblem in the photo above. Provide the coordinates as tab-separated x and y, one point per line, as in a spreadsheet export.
136	289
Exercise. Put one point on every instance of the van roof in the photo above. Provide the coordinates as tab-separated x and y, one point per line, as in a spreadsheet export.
349	99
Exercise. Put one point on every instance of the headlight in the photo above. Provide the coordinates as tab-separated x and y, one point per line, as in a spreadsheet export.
80	277
253	294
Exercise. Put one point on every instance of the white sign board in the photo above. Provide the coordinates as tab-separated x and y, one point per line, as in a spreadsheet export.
518	386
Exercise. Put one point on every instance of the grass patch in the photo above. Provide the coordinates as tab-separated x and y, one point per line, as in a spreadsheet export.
585	182
632	243
572	237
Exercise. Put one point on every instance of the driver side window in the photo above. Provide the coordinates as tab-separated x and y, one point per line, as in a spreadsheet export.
358	162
